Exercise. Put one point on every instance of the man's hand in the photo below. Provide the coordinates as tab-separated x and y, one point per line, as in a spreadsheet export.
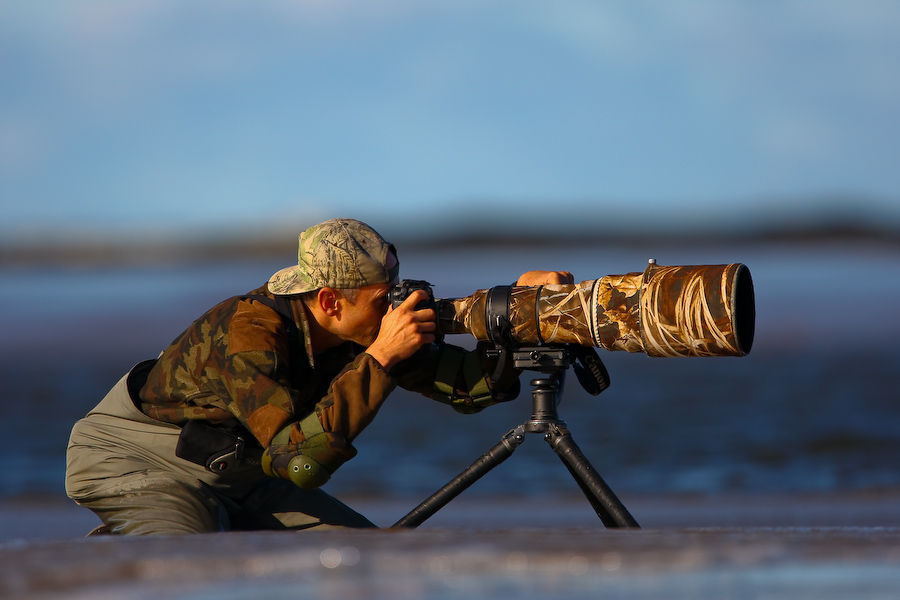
532	278
403	331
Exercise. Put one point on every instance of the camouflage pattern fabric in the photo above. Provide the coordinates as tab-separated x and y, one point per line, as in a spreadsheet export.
235	368
666	311
339	253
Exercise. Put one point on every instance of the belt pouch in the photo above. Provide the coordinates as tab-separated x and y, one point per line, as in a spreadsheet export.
211	447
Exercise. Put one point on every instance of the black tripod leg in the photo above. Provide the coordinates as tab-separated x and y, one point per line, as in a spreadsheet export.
608	507
461	482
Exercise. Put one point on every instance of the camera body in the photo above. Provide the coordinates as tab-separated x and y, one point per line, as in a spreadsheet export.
402	290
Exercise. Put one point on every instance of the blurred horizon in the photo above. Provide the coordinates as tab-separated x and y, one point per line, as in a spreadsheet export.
839	220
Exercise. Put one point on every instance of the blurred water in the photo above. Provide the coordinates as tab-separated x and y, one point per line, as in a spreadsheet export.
814	407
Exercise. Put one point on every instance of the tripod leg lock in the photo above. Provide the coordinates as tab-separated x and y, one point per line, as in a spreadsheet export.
514	438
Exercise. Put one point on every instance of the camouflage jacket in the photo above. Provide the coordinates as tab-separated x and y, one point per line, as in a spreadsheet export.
236	367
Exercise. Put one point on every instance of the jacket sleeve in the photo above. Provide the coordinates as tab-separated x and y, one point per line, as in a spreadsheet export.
458	377
310	450
303	445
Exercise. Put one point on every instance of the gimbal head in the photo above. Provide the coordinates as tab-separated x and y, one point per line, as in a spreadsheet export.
555	359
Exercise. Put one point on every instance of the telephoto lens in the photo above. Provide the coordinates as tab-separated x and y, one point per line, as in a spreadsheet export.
664	311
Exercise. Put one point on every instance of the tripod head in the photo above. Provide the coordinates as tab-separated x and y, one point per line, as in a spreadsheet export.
554	360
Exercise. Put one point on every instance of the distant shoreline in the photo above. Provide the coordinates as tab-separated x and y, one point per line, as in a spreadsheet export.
147	250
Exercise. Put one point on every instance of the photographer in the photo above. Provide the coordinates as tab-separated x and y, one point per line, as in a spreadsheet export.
237	424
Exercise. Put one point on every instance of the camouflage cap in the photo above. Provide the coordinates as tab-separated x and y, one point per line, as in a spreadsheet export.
340	253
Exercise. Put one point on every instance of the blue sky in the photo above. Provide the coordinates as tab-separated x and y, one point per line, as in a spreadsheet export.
128	117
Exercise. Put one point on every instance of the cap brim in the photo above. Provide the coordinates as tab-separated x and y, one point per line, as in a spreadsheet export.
288	281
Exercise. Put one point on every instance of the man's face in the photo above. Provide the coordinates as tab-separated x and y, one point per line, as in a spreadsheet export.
360	320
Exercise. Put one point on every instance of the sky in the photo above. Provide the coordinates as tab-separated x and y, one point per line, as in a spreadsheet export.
122	118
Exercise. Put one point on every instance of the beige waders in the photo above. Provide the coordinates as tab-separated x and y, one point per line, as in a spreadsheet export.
121	464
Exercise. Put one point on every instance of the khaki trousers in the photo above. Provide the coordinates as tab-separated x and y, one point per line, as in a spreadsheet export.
121	464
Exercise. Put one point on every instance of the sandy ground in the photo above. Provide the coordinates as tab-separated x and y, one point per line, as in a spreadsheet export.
28	520
774	546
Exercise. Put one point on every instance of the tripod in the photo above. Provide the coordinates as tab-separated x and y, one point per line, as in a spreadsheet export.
552	361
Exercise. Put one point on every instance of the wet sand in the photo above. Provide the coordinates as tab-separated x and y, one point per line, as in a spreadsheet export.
840	545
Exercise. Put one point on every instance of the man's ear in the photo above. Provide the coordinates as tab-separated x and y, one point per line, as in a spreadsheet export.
329	301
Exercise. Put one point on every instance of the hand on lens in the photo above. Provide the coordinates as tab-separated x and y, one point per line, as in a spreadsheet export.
533	278
403	331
